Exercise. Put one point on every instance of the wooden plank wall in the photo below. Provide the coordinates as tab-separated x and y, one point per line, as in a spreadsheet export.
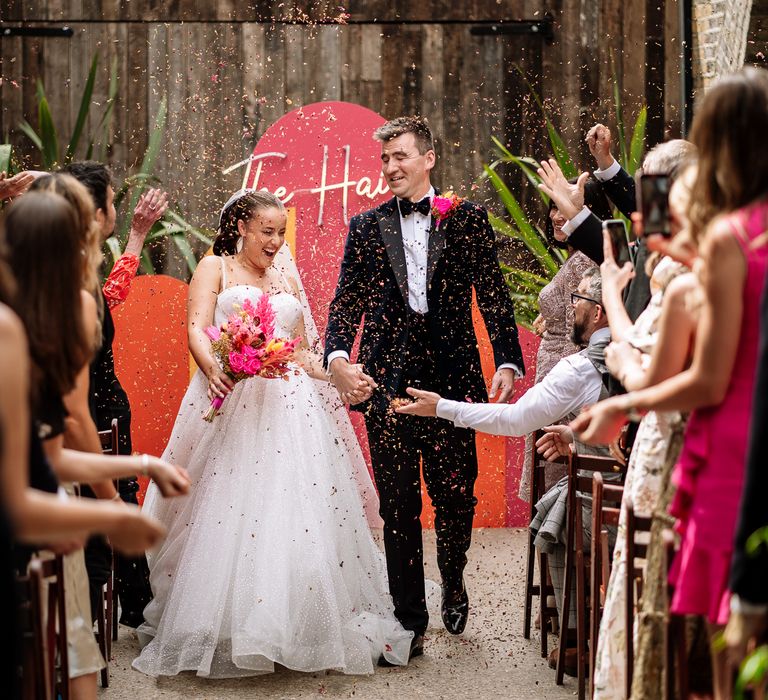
229	71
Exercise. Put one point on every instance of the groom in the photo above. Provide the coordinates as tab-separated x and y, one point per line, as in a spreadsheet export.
412	280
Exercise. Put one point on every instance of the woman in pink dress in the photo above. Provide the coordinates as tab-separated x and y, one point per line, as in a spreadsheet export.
729	216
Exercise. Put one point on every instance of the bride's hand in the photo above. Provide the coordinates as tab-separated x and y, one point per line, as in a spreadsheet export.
219	383
171	480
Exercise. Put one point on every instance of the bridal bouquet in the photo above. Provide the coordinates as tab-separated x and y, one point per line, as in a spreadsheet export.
245	346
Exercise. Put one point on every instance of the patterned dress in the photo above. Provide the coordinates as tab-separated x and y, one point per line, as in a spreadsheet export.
643	486
555	307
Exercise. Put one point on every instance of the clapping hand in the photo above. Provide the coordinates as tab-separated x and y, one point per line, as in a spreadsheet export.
567	197
599	142
11	187
620	356
600	424
556	442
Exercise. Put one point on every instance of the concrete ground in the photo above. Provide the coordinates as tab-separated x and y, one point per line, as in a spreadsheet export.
490	660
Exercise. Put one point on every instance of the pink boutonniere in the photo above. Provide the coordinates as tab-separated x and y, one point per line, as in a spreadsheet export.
443	206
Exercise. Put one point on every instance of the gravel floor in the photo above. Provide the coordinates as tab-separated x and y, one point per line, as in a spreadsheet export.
490	660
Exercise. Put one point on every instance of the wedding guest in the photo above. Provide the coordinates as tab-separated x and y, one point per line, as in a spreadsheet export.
574	382
106	397
413	281
728	212
30	516
47	238
584	229
555	321
655	347
749	569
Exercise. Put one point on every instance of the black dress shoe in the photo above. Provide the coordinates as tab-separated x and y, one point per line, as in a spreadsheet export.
417	649
455	609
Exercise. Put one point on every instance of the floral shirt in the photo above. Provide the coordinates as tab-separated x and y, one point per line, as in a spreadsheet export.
118	284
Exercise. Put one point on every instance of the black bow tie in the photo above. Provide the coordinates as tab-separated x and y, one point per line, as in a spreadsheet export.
407	207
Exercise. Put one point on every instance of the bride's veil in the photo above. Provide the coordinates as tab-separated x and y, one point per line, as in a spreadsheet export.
285	263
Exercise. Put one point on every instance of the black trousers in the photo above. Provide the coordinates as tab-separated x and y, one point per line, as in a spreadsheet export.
400	445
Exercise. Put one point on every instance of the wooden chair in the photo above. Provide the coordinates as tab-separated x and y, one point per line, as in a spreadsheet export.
43	620
634	575
606	509
577	483
544	588
106	615
675	647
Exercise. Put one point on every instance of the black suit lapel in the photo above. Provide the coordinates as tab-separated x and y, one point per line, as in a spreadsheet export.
388	218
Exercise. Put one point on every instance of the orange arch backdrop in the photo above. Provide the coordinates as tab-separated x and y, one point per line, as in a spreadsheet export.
322	162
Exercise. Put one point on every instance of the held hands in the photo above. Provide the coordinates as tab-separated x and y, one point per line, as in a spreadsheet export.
599	142
613	276
170	479
503	379
354	385
556	442
568	198
424	403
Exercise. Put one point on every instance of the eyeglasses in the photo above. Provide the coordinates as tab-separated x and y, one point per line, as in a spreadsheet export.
575	297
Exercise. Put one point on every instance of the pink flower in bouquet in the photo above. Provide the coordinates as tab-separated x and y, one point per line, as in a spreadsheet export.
245	346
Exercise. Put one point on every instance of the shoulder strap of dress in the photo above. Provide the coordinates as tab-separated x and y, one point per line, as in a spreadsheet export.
223	273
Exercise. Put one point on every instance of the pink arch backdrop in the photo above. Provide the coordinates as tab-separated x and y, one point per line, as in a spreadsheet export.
323	163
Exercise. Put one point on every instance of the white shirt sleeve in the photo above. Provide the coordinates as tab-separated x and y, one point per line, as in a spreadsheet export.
572	383
572	224
337	353
609	172
513	367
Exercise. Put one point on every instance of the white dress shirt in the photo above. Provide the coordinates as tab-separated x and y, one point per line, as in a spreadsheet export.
571	384
415	232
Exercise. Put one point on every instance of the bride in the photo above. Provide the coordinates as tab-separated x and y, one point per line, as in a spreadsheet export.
270	559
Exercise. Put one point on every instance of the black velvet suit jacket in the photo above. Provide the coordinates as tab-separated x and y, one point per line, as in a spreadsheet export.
373	284
749	574
588	238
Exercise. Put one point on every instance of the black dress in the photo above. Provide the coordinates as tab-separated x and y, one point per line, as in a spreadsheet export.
107	400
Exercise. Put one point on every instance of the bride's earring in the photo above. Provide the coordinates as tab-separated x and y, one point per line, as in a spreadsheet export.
239	244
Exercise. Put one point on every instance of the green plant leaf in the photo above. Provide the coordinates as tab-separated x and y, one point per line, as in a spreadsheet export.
5	158
637	145
113	246
527	233
752	672
82	115
560	152
146	263
31	134
619	110
50	141
147	165
186	250
106	118
758	539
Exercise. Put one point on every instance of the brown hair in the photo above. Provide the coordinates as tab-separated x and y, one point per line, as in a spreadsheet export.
241	209
407	125
728	130
43	237
82	202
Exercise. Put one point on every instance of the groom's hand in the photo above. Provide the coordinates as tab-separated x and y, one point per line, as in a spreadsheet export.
503	380
425	403
354	385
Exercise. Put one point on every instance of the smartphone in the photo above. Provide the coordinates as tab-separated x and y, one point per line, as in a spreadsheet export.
653	203
617	232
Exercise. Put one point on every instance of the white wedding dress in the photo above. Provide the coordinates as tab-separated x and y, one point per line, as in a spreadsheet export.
269	559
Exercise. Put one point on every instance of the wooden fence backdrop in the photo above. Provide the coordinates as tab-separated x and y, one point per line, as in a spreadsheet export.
228	71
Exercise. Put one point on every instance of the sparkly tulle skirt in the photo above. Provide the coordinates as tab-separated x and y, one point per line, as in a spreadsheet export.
269	559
